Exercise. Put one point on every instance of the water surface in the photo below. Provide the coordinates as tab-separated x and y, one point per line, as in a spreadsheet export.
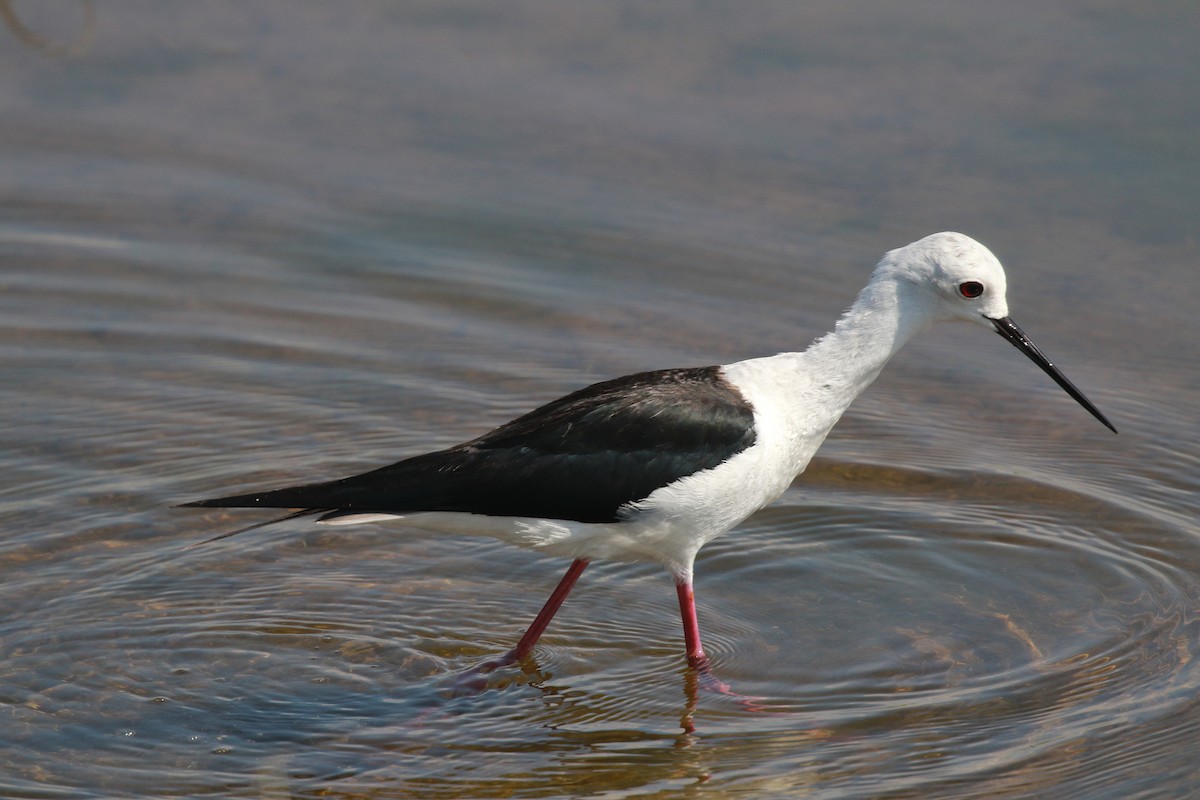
245	245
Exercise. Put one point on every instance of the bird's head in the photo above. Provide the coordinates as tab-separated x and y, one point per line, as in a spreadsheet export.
949	276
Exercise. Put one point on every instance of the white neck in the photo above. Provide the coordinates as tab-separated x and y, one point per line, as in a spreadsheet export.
849	358
808	392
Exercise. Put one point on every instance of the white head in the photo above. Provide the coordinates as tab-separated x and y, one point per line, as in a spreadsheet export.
947	276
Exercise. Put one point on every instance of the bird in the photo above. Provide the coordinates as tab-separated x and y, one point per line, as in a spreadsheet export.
652	466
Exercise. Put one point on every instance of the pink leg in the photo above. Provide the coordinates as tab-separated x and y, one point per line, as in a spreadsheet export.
691	626
471	681
697	660
525	647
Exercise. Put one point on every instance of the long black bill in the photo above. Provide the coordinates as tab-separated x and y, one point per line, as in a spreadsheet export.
1009	330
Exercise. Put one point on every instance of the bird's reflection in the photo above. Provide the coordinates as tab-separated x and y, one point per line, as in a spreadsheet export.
507	671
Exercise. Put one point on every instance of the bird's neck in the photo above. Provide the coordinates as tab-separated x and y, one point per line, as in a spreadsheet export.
807	392
799	397
846	360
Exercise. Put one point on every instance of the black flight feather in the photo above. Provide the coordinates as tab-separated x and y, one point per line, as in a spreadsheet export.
580	457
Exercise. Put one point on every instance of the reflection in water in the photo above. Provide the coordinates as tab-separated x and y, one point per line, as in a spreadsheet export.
899	619
204	272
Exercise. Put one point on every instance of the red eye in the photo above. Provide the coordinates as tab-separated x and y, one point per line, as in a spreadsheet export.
970	289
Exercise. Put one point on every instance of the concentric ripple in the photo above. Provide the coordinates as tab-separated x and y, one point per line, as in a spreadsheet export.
226	263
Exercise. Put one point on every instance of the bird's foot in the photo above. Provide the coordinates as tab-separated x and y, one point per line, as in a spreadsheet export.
475	680
701	676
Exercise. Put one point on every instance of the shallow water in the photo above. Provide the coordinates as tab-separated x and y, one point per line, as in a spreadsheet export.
248	245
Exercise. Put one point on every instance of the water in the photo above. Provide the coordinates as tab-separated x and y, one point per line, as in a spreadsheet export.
248	245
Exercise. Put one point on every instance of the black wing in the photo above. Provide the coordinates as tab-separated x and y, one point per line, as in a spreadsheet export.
577	458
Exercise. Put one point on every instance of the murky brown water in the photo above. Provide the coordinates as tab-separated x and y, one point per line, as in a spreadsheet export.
246	244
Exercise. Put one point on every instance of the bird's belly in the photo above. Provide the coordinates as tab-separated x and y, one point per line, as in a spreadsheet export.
683	516
634	539
668	527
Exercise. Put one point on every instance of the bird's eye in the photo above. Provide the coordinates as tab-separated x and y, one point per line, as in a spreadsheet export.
970	289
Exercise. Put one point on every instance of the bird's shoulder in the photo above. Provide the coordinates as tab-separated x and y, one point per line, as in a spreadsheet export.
678	409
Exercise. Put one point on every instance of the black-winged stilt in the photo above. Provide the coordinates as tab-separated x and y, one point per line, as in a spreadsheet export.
652	466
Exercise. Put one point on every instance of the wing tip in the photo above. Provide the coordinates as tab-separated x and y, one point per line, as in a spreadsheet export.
304	512
235	501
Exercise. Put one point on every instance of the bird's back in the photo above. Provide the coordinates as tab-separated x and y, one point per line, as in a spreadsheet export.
581	457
